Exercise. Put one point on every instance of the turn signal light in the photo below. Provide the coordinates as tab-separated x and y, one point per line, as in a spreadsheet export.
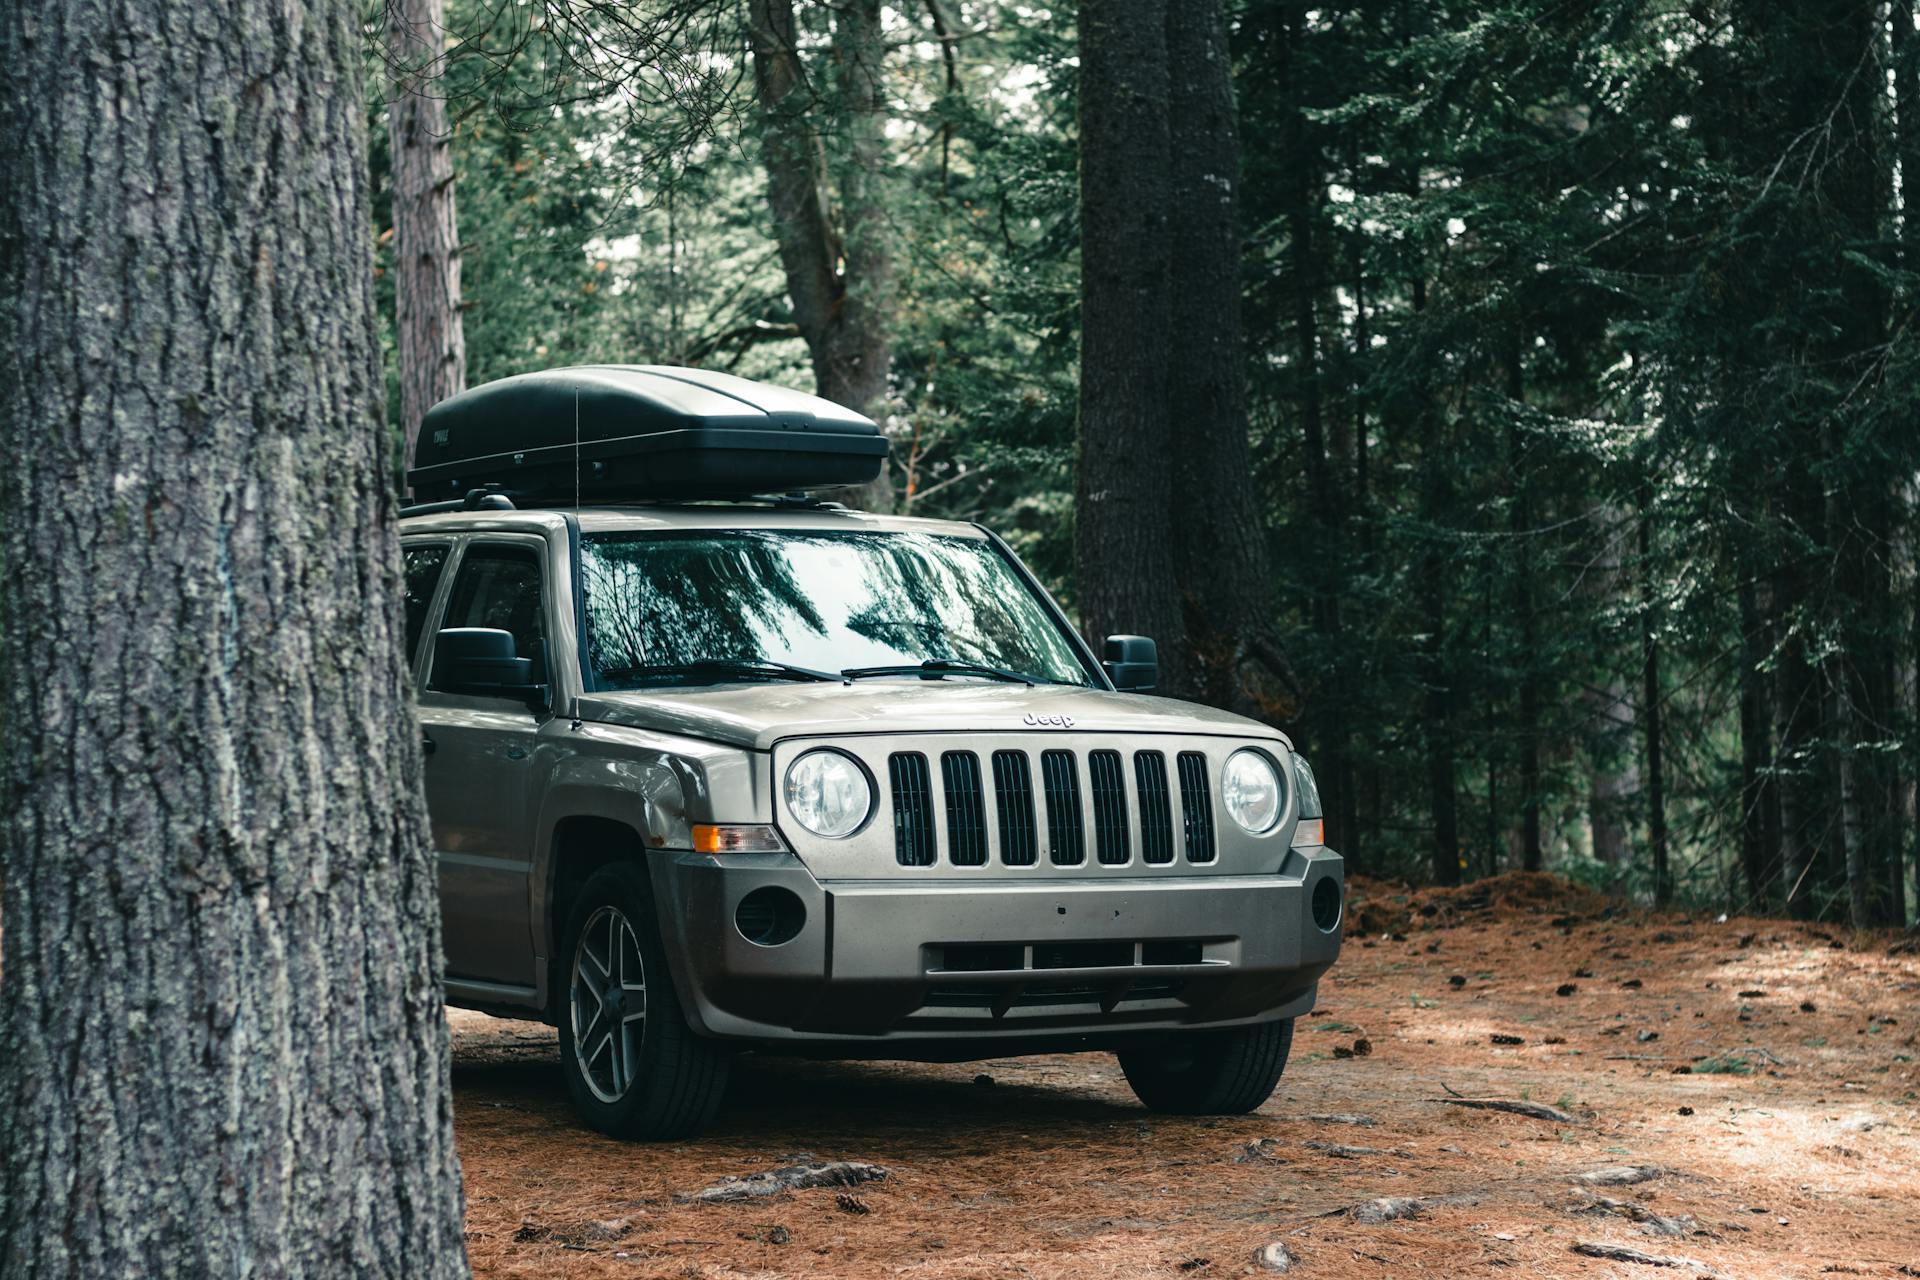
1306	831
712	838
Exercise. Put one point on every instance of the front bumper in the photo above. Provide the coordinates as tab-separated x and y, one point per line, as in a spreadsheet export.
880	966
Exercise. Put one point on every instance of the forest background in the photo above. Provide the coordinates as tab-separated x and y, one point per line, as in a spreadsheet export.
1517	406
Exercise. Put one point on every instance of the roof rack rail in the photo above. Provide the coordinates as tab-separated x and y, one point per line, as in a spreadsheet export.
488	498
801	501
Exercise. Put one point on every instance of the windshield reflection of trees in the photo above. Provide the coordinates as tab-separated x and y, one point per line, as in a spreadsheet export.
754	594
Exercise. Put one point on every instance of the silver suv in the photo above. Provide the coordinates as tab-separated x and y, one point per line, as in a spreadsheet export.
775	775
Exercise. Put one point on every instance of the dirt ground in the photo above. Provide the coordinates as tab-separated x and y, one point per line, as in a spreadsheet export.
1756	1081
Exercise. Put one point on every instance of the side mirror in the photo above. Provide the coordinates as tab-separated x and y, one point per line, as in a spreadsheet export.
1132	663
483	661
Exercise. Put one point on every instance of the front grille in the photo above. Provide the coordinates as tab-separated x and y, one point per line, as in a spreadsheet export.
977	812
1197	805
912	809
1109	807
1064	829
1013	799
966	809
1156	810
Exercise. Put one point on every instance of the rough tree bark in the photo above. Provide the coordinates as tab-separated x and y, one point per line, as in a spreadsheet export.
1123	518
224	1047
1219	536
430	333
838	263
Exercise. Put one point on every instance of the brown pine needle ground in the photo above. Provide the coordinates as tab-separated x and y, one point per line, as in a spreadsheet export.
1775	1140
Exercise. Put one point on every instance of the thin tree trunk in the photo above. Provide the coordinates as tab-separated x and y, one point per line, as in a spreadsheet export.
1759	815
1122	515
840	271
429	331
1613	773
1652	720
224	1046
1796	714
1521	526
1437	675
1441	796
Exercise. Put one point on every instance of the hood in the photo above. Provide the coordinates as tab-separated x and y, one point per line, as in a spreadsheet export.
758	715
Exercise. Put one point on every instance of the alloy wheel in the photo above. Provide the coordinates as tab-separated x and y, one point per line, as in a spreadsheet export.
609	1004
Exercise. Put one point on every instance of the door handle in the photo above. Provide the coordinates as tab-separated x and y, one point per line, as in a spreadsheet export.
426	743
516	753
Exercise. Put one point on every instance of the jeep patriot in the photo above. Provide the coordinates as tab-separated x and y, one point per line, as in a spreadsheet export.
711	772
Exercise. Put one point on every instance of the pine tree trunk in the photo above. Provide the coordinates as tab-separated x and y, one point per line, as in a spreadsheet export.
1521	526
1437	674
1759	818
1219	533
429	331
224	1050
840	272
1122	517
1652	720
1613	771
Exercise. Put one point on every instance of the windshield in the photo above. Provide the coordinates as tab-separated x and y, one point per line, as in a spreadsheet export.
716	605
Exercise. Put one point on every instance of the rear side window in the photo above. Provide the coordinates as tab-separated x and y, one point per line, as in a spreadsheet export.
423	562
498	586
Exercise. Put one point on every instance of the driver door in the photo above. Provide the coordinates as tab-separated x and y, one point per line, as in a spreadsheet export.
479	770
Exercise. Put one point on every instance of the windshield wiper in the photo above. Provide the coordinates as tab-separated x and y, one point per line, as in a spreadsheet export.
947	666
744	668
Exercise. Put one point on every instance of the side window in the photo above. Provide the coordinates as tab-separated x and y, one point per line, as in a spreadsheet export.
498	586
423	562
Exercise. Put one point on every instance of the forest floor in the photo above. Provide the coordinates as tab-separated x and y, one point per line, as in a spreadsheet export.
1743	1100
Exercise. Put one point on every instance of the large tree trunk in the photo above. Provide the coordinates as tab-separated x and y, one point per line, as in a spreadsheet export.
224	1052
430	333
839	269
1219	535
1123	519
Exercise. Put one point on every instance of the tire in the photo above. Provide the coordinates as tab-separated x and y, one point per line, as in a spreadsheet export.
646	1077
1210	1073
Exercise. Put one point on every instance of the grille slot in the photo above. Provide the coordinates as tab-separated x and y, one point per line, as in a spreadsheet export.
1196	806
966	809
1109	807
1065	834
1156	809
1013	799
913	839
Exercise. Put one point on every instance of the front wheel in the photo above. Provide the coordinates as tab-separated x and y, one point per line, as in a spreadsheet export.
634	1068
1210	1073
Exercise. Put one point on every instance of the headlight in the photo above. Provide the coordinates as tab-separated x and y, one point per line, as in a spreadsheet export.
1309	789
1251	789
828	794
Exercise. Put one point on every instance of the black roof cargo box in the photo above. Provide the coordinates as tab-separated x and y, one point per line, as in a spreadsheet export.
644	432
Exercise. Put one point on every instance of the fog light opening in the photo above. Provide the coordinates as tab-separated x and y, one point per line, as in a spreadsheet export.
1326	904
769	917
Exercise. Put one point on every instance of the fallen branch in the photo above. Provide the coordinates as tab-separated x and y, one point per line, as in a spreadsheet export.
798	1177
1619	1253
1533	1110
1618	1175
